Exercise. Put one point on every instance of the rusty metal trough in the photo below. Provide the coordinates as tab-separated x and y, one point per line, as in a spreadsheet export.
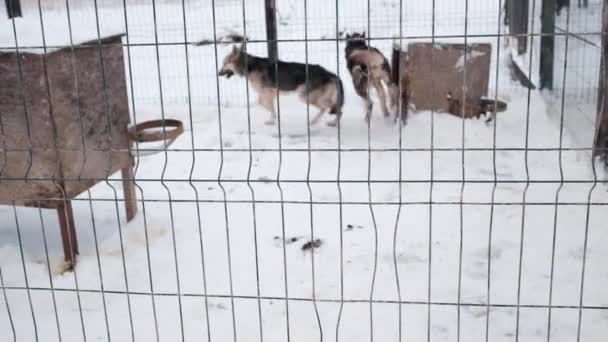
64	120
433	77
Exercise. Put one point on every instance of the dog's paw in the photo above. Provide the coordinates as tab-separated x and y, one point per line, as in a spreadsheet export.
270	122
397	120
333	123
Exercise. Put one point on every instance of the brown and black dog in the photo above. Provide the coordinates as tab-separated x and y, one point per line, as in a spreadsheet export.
314	84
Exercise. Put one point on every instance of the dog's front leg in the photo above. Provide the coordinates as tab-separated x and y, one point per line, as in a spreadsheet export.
267	101
383	97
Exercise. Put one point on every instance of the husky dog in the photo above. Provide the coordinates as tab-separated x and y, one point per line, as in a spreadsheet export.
317	87
369	68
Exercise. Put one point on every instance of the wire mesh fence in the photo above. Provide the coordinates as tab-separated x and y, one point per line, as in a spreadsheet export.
441	229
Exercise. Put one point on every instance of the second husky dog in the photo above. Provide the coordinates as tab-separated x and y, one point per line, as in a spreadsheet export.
369	68
315	85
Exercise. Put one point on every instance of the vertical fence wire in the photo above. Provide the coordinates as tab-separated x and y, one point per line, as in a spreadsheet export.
587	219
591	190
252	192
25	276
527	130
221	169
431	187
109	141
84	150
8	308
561	173
338	182
401	122
463	170
164	170
494	173
50	277
134	114
313	273
199	221
369	192
26	176
2	284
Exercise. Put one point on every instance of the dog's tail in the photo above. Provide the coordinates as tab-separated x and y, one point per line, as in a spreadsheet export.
337	108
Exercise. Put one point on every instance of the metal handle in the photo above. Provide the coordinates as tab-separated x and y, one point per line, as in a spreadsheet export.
171	129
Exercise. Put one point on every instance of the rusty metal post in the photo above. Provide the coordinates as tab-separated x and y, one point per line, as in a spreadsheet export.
128	188
68	233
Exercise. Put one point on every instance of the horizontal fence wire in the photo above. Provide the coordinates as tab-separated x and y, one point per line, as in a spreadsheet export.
438	227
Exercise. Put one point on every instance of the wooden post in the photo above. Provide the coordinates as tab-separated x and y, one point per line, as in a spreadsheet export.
68	233
128	188
601	124
13	8
547	44
271	30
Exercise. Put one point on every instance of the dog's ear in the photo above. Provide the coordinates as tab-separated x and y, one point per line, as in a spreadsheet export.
235	50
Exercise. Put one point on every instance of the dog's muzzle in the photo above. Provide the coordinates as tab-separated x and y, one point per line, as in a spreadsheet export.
227	73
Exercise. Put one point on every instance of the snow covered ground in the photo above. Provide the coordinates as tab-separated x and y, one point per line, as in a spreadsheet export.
411	224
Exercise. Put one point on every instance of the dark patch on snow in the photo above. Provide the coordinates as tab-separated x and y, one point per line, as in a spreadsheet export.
350	227
289	240
310	245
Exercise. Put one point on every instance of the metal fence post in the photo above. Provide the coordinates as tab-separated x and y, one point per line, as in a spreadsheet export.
271	30
547	44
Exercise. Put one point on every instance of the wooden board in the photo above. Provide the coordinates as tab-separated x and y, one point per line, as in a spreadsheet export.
436	69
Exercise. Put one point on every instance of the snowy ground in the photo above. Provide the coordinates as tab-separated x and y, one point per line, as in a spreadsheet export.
224	213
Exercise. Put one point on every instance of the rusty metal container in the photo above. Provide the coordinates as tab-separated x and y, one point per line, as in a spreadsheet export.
427	72
64	120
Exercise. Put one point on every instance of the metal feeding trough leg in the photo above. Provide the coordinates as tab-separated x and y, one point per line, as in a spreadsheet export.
68	233
128	186
65	127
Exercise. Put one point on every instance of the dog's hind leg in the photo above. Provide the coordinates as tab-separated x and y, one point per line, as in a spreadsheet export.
318	116
363	91
382	95
267	101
